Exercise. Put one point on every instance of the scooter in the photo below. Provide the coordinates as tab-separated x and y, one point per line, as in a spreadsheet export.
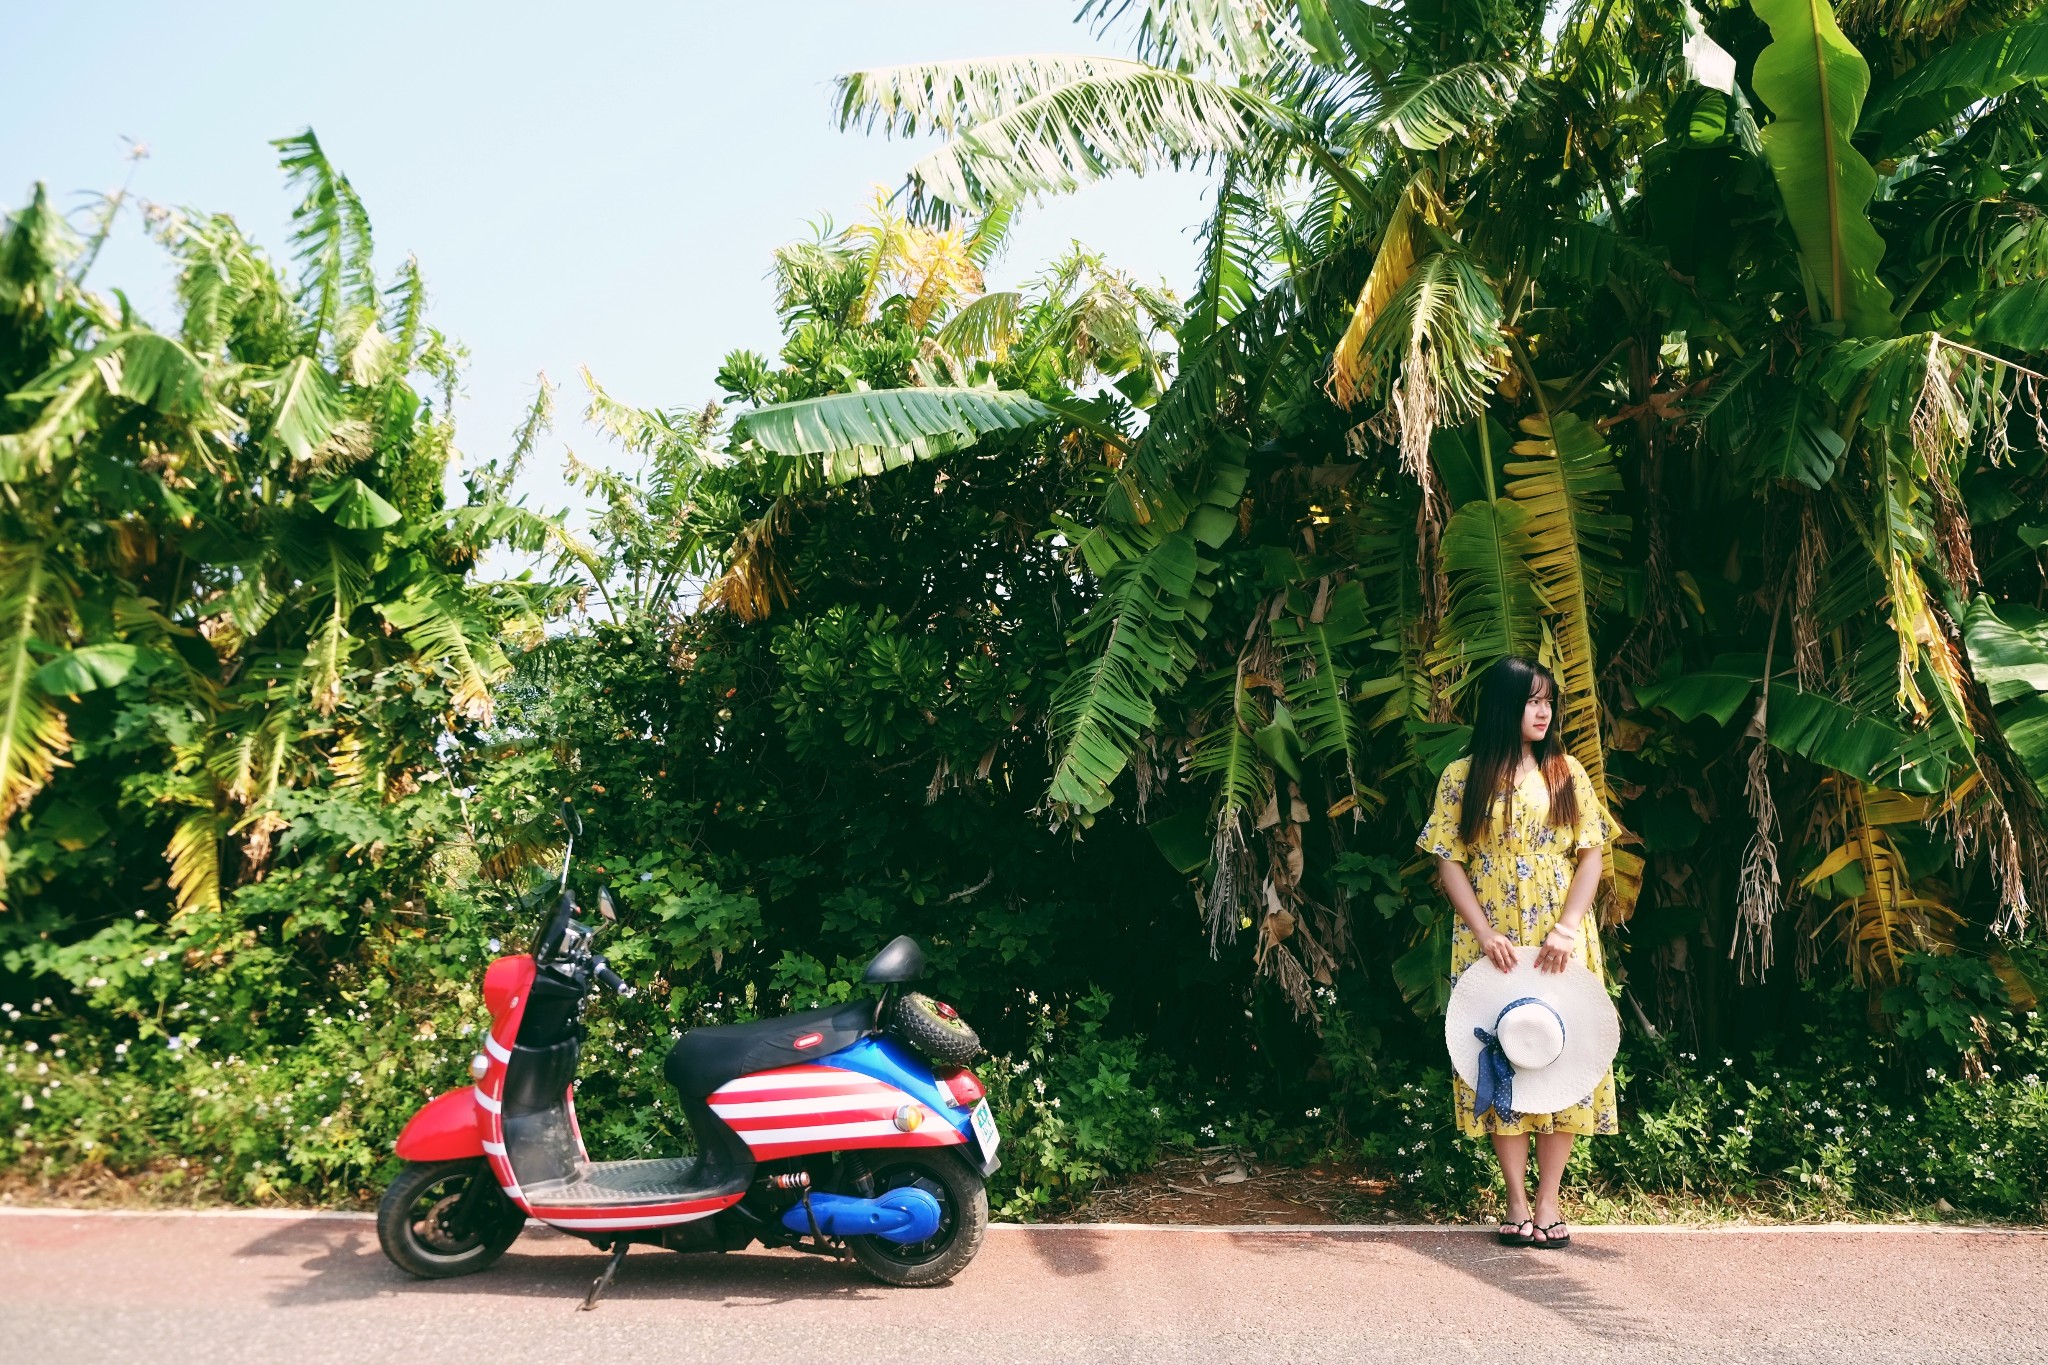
853	1130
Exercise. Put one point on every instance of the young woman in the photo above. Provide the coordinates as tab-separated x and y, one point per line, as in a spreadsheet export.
1517	832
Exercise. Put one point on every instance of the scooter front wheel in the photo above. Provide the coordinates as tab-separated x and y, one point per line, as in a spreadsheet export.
963	1216
415	1220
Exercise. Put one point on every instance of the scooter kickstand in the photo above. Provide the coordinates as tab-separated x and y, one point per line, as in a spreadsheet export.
832	1249
604	1281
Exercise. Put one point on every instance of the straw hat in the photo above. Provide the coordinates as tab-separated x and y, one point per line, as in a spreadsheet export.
1548	1036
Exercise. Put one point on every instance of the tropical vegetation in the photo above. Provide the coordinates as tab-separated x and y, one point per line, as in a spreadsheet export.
1106	636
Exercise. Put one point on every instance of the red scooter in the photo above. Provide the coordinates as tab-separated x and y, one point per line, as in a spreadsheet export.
854	1130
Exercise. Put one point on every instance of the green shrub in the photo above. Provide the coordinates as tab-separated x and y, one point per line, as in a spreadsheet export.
1078	1104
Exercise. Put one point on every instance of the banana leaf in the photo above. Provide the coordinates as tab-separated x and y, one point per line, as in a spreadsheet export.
870	432
1719	690
1824	731
1814	81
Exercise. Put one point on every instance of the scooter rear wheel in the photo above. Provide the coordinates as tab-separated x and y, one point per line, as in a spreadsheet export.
963	1216
411	1222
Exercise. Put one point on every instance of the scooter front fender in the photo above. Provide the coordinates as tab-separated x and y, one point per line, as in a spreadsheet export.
445	1129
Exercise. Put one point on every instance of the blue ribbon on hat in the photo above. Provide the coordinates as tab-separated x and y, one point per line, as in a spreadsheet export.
1495	1091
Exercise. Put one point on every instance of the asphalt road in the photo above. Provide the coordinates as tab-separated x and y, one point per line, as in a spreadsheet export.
161	1288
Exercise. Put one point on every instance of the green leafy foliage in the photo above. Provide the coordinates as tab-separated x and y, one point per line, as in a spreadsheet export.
1027	621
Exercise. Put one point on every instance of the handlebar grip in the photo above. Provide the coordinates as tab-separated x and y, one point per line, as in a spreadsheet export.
612	979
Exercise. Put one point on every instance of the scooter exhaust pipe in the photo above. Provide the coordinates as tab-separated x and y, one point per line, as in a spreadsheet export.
905	1215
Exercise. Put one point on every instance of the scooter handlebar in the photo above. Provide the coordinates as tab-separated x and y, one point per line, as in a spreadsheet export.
604	973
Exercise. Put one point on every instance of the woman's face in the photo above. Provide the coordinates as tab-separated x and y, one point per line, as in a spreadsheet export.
1536	712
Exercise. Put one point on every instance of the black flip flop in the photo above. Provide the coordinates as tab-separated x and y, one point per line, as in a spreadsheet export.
1517	1238
1550	1239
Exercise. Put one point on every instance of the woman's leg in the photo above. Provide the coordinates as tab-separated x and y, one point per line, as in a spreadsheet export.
1553	1150
1512	1151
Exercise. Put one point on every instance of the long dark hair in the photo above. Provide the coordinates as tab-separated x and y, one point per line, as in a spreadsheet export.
1497	746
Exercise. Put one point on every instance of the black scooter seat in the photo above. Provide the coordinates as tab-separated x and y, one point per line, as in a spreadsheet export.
705	1058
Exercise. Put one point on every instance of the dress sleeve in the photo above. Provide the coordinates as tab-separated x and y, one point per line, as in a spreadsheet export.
1440	834
1595	828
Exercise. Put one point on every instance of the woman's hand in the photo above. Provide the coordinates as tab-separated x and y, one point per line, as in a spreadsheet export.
1558	946
1499	950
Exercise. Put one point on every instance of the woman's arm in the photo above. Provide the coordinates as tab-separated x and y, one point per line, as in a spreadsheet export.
1561	941
1499	949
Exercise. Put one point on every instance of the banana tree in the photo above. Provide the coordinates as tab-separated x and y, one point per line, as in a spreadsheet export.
1753	282
217	540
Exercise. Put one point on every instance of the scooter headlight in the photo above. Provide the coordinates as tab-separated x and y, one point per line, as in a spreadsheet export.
478	1065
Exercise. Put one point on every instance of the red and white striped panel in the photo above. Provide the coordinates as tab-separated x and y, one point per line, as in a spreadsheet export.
490	1105
796	1110
655	1214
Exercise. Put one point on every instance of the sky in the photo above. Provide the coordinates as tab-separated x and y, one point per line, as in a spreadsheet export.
592	184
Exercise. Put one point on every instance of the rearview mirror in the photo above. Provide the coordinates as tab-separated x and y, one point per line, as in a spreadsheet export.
570	818
605	909
901	960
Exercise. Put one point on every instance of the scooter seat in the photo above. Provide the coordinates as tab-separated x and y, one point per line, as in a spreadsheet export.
705	1058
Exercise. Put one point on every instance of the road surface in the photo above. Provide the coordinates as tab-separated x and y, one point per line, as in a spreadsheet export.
170	1287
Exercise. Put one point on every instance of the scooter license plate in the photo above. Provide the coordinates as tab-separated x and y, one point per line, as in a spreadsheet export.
985	1130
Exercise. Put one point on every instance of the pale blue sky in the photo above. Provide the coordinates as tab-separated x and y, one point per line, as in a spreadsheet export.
595	183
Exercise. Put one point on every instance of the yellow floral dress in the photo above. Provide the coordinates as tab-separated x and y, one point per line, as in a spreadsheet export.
1521	867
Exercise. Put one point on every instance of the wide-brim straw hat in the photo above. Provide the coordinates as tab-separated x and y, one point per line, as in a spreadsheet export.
1560	1036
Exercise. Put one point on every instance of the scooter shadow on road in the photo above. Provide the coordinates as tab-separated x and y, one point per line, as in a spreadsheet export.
1071	1253
342	1264
1563	1281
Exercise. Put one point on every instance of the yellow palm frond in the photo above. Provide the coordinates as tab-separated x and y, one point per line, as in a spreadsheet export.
1351	370
33	733
1886	918
1562	480
349	760
754	583
935	269
880	238
194	855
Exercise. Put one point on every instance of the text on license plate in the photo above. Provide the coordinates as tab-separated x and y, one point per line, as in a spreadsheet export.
985	1130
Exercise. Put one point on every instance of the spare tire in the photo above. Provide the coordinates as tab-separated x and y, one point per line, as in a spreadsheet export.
933	1029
